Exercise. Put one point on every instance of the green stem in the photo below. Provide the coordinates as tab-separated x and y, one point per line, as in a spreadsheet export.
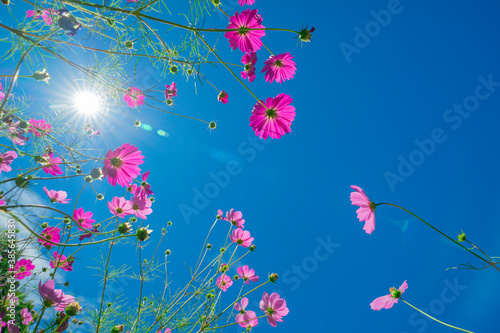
439	321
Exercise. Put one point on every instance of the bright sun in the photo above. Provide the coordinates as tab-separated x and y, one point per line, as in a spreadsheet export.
87	102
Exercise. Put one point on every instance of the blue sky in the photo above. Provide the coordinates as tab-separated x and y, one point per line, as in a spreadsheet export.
362	117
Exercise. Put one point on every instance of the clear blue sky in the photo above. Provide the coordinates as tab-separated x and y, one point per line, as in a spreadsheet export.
366	104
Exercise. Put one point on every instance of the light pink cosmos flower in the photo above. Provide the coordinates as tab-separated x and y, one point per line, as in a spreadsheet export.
54	296
45	14
26	316
6	159
236	218
249	60
143	190
57	196
247	274
51	234
62	262
223	97
274	307
244	39
51	166
170	91
244	318
2	94
273	120
90	131
387	301
22	269
39	127
83	218
224	282
280	68
141	207
133	97
241	237
12	328
366	210
121	165
246	2
120	207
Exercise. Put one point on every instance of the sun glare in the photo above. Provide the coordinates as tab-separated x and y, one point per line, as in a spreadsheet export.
87	102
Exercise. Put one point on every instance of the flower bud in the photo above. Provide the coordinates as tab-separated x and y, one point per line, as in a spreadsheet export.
174	69
44	225
169	223
133	219
209	246
236	277
74	320
222	250
273	277
124	228
88	179
23	124
137	123
96	173
306	35
73	309
5	2
42	75
168	252
252	248
462	237
212	125
170	102
21	182
100	196
143	233
117	329
66	283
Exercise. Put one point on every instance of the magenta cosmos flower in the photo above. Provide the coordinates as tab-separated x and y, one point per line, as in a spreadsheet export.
249	60
54	296
241	237
57	196
62	262
133	97
121	165
6	159
51	166
224	282
274	307
366	210
83	218
141	207
246	2
2	94
120	207
236	218
167	330
143	190
247	274
387	301
23	269
39	127
170	91
245	318
274	118
26	316
223	97
245	39
45	14
279	68
51	234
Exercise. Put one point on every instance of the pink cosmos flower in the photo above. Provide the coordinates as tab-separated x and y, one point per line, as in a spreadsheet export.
62	262
120	207
141	207
17	134
22	269
46	15
245	318
366	210
244	39
246	2
54	296
170	91
249	60
6	159
273	120
87	234
143	190
57	196
236	218
224	282
83	218
52	167
26	316
39	127
274	307
223	97
90	131
387	301
121	165
279	68
12	328
133	97
129	1
2	94
247	274
241	237
51	234
167	330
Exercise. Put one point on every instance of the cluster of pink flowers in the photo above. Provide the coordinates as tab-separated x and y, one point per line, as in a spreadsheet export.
134	97
121	207
272	305
170	92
